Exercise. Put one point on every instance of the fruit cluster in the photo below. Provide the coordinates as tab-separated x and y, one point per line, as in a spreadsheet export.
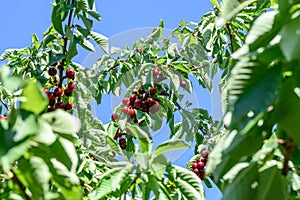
58	94
199	165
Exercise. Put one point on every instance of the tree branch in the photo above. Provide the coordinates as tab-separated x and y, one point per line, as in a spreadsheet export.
4	104
288	153
62	64
230	37
20	185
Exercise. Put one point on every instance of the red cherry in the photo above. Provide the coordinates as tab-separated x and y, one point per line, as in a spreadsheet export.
57	92
150	100
46	91
132	98
125	109
114	116
70	73
156	72
123	146
200	165
131	112
71	85
204	153
59	105
125	100
52	102
152	90
68	92
50	96
68	106
196	171
117	135
2	117
183	84
134	91
194	165
52	71
154	109
137	102
122	141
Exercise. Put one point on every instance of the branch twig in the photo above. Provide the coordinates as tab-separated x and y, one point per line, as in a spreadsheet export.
230	37
288	154
20	185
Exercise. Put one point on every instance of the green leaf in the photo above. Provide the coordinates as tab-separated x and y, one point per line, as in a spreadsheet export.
143	137
271	183
243	184
62	122
170	145
158	165
87	45
25	128
158	188
36	101
56	20
290	39
187	182
101	40
231	8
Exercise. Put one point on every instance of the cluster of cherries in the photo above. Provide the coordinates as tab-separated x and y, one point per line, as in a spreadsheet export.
199	165
57	94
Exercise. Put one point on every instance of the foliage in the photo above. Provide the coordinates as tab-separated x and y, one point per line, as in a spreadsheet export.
54	147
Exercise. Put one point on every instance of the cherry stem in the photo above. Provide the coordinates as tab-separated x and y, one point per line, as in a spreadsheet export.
230	37
20	185
289	149
62	64
4	104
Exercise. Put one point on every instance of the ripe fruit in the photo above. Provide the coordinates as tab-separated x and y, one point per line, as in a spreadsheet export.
196	171
183	84
132	98
114	116
156	72
200	165
204	154
152	90
125	100
46	91
70	73
150	100
194	165
59	105
2	117
51	96
52	71
141	91
122	141
68	106
137	103
154	108
131	112
134	91
68	92
71	85
125	109
57	92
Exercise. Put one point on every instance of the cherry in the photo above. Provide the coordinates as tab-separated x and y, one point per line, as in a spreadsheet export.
51	96
125	100
71	85
154	109
204	154
2	117
132	98
46	91
134	91
150	100
70	73
125	109
114	116
200	165
141	91
52	102
57	92
137	102
196	171
131	112
59	105
183	84
68	92
156	72
122	141
52	71
152	90
123	146
68	106
194	165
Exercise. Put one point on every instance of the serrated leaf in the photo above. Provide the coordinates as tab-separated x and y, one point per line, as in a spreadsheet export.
143	138
36	101
56	20
170	145
101	40
187	182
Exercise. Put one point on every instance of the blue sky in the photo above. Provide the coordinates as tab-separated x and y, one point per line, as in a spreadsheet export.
19	19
